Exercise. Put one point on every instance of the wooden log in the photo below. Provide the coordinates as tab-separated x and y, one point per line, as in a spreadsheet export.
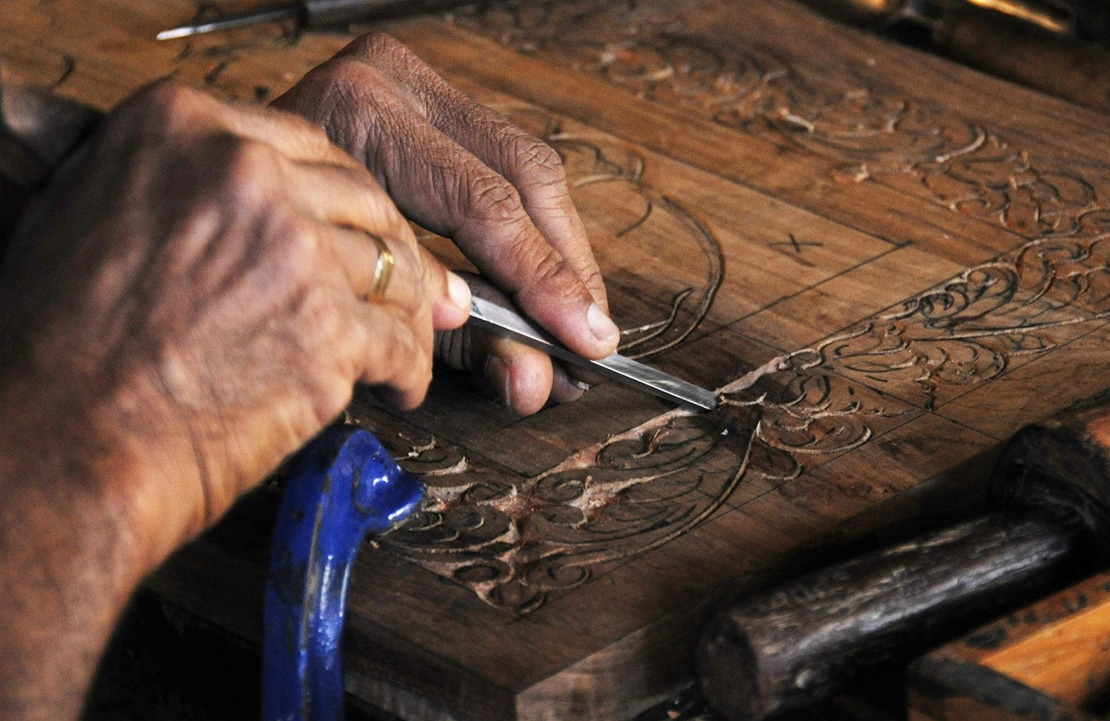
798	642
801	641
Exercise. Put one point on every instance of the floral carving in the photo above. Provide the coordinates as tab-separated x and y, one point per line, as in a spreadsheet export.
516	541
968	330
874	132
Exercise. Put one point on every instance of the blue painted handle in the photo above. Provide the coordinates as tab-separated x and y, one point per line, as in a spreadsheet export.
341	487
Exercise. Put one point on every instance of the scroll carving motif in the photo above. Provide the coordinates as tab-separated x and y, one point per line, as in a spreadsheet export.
874	131
968	330
517	541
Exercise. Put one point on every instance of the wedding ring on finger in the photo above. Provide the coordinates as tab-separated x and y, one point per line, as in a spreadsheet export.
383	271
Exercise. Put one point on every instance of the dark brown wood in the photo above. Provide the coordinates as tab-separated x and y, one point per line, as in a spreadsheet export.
799	642
1062	465
886	262
1066	67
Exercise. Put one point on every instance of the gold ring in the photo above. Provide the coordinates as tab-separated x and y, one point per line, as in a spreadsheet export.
383	271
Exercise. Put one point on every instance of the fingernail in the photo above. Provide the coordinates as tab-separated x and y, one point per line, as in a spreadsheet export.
564	388
458	291
602	326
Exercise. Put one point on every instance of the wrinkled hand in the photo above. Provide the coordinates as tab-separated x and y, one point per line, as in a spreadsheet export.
190	293
461	170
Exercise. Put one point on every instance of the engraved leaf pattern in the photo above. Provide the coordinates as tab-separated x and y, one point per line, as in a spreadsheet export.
516	542
850	117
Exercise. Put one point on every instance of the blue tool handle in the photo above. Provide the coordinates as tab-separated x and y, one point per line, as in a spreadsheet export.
340	488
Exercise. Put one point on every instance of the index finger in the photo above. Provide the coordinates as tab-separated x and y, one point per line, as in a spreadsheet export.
530	165
547	268
484	214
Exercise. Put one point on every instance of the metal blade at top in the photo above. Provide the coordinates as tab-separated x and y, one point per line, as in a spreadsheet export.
508	323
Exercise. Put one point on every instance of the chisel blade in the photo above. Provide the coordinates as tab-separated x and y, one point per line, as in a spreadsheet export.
508	323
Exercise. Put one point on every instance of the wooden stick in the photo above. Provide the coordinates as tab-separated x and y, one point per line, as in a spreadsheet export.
796	643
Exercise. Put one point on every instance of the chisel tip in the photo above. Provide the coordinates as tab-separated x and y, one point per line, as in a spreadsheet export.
236	20
182	31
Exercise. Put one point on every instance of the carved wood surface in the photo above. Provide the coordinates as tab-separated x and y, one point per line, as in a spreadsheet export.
886	263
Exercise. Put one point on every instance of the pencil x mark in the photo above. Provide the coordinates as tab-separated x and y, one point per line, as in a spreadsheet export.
797	245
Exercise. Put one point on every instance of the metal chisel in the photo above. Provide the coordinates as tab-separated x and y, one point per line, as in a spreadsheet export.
314	14
508	323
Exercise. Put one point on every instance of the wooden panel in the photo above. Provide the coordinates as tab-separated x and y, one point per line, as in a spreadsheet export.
882	272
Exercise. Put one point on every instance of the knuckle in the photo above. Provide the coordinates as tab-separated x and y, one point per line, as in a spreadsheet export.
378	45
336	95
314	136
392	110
247	171
547	266
167	105
593	280
297	247
493	198
350	95
319	315
343	73
539	163
247	157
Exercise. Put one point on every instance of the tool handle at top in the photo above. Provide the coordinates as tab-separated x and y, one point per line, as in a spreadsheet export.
321	13
860	12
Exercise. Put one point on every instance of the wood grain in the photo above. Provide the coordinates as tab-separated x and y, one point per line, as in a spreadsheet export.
884	261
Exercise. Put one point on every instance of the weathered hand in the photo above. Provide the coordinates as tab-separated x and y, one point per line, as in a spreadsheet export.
461	170
190	294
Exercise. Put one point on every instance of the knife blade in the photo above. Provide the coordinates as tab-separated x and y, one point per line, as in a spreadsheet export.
505	322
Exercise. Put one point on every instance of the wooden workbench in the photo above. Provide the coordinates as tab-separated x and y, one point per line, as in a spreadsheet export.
888	263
